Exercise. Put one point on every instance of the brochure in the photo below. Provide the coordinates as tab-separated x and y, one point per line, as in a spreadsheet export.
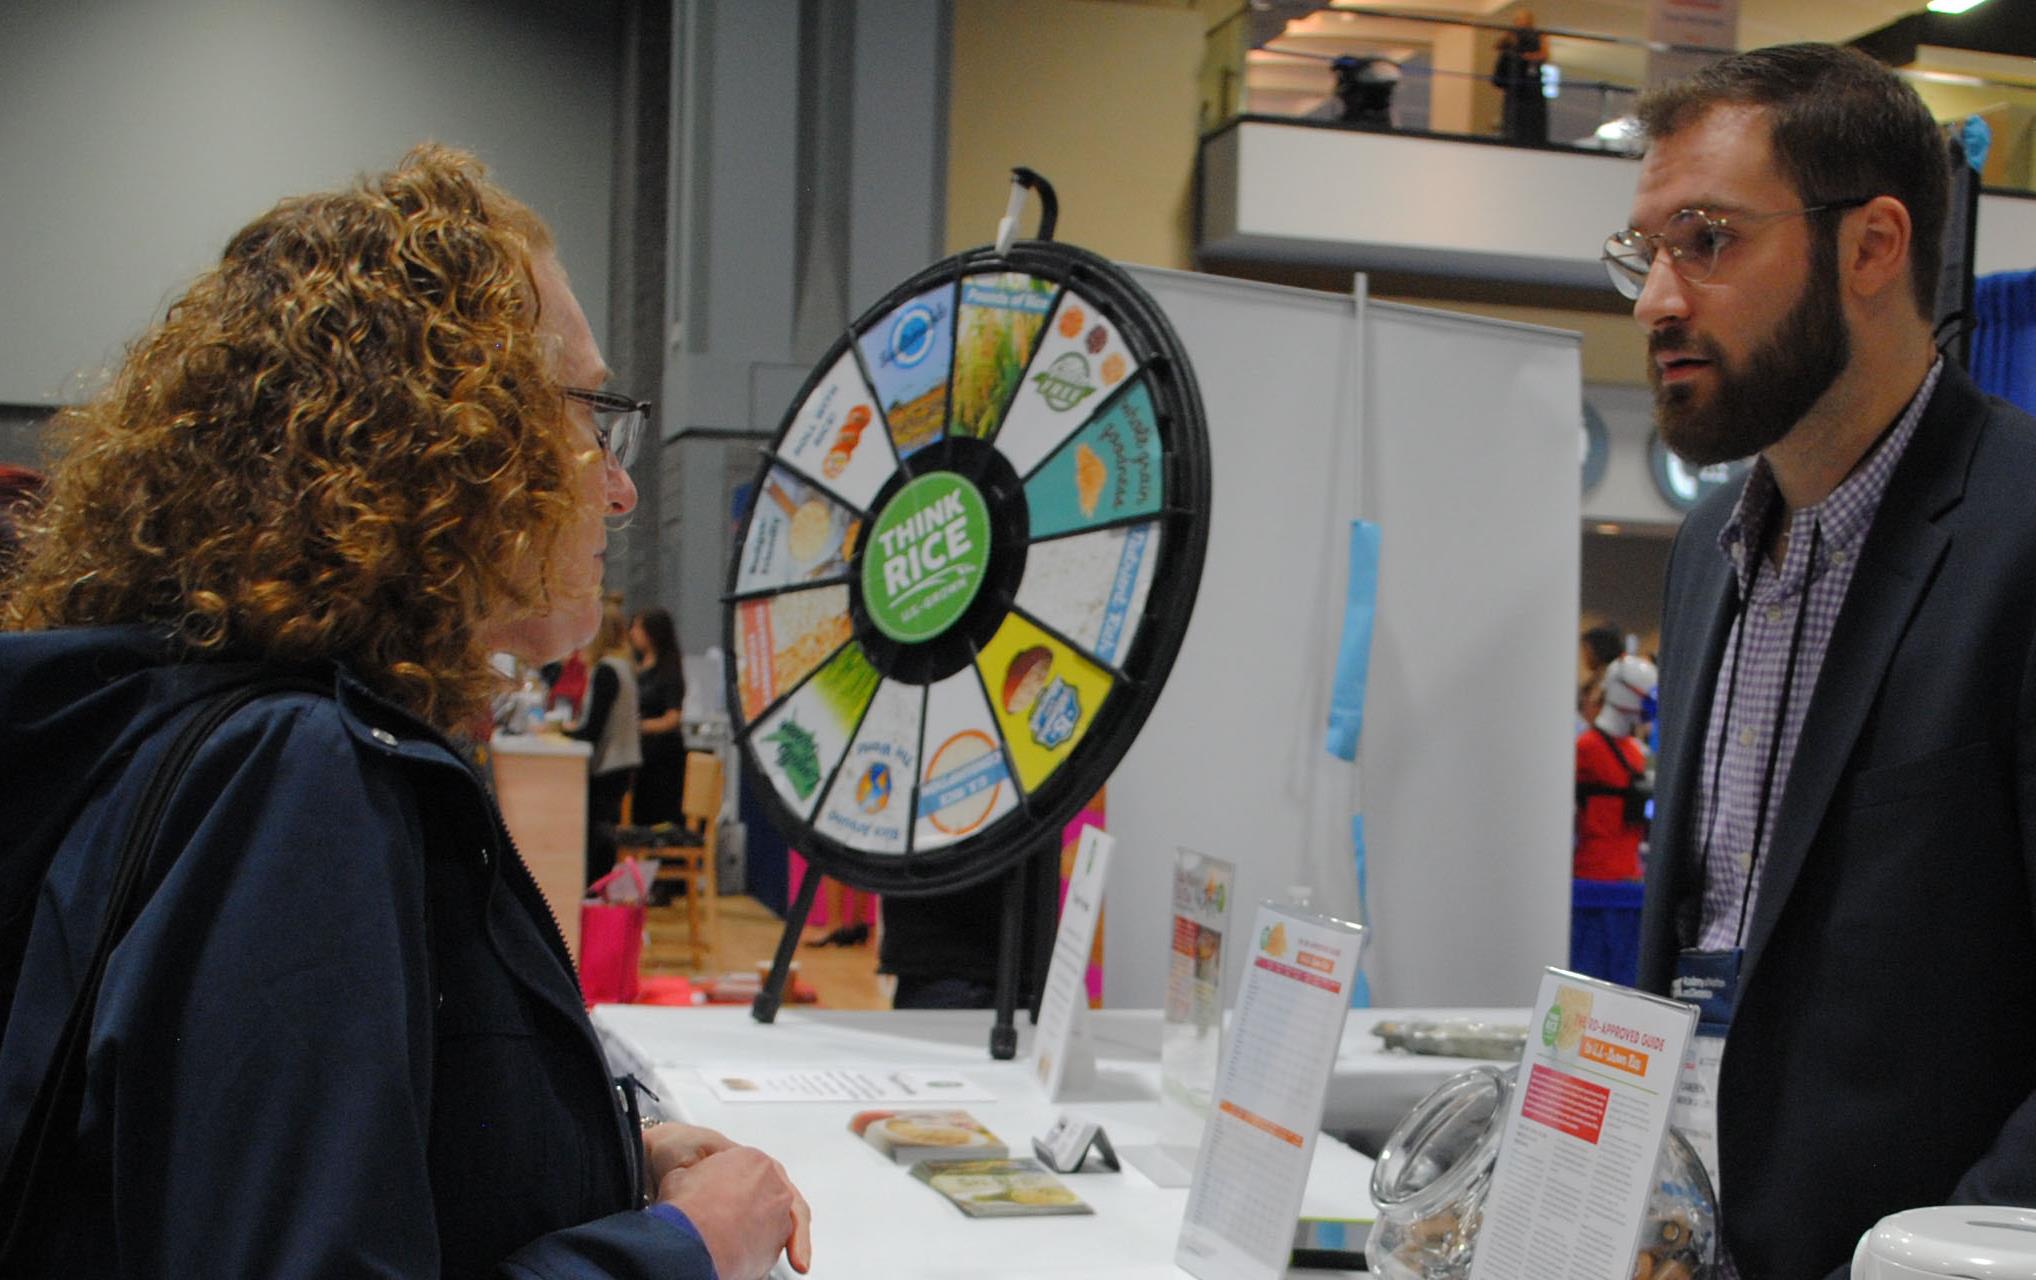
1000	1188
911	1137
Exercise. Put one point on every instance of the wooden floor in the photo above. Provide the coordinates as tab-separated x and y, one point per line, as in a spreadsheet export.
843	977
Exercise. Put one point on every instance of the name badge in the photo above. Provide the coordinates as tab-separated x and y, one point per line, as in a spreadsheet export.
1710	981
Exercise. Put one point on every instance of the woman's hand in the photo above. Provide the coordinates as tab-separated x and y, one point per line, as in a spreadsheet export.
745	1208
671	1146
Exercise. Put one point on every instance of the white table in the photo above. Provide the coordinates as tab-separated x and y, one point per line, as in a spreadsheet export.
871	1219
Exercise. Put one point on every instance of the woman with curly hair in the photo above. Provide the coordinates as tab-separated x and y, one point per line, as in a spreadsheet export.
341	1034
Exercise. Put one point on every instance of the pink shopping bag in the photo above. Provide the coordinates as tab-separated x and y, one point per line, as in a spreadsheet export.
611	937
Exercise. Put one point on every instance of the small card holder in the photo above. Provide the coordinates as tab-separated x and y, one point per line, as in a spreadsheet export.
1067	1145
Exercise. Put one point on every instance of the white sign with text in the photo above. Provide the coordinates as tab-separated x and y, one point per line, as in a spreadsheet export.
1253	1164
1589	1113
1063	1057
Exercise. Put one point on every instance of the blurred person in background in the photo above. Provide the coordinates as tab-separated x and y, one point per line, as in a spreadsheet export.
1517	75
660	704
610	724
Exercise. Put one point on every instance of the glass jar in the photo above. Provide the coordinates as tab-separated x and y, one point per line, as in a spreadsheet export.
1435	1171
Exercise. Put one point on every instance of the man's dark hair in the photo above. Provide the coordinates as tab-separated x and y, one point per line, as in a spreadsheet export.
1605	643
1844	126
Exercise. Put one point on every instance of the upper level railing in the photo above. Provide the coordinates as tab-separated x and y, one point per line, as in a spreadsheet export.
1445	75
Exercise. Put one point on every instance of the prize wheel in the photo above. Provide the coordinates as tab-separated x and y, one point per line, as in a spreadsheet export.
970	555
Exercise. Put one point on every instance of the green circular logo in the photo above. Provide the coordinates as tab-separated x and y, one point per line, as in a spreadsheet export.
923	563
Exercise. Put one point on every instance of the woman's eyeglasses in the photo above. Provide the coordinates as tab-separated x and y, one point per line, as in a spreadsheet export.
618	422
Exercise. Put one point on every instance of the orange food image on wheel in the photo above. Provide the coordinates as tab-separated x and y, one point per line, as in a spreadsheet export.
1091	474
845	441
1071	322
1113	368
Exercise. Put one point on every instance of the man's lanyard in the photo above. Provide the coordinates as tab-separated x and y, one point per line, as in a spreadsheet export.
1761	836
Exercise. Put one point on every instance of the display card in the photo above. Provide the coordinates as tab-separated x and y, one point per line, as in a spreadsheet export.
1253	1165
1191	1026
1080	361
836	438
908	353
1044	696
1113	469
781	638
920	1087
804	739
1001	316
1589	1113
965	782
1062	1055
871	799
1092	587
797	535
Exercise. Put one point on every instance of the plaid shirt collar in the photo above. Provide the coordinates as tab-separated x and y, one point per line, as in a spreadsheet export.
1845	514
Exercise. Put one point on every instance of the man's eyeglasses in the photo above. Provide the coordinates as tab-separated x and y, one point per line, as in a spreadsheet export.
1692	238
618	421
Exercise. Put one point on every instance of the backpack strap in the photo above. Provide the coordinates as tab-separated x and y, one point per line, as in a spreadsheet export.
1633	775
51	1126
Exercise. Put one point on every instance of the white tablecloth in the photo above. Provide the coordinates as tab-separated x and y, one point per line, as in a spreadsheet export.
872	1219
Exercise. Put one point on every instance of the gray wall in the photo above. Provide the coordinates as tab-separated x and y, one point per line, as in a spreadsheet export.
808	170
137	135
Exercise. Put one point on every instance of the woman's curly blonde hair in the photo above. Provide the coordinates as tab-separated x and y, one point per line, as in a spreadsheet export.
344	442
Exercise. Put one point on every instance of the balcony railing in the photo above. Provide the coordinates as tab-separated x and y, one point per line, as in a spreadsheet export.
1421	73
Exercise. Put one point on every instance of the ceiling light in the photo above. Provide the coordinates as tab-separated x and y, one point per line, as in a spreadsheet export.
1952	6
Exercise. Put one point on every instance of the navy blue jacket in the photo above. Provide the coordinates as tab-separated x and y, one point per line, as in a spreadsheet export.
1883	1053
343	1038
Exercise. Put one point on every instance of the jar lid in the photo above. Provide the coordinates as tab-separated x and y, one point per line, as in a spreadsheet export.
1989	1241
1446	1142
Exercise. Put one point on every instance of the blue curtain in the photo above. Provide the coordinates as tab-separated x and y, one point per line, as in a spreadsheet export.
2004	340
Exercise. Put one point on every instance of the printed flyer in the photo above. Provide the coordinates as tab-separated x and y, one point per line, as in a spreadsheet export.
836	438
1001	316
796	535
908	354
1044	695
782	638
801	742
1080	361
1190	1036
872	792
1092	587
966	783
1111	470
999	1188
1252	1169
1589	1114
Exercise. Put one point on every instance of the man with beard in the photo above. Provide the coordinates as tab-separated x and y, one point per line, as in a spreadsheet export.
1843	872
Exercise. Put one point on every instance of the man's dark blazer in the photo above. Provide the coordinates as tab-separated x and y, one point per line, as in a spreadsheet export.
1883	1055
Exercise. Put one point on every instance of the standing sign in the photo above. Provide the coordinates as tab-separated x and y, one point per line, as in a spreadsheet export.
1588	1117
1191	1030
1063	1056
1260	1139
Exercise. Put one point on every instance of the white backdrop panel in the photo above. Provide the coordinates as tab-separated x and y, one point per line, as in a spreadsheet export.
1463	445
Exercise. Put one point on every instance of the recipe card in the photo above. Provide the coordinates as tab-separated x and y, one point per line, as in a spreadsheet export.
1266	1110
1063	1056
1589	1113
